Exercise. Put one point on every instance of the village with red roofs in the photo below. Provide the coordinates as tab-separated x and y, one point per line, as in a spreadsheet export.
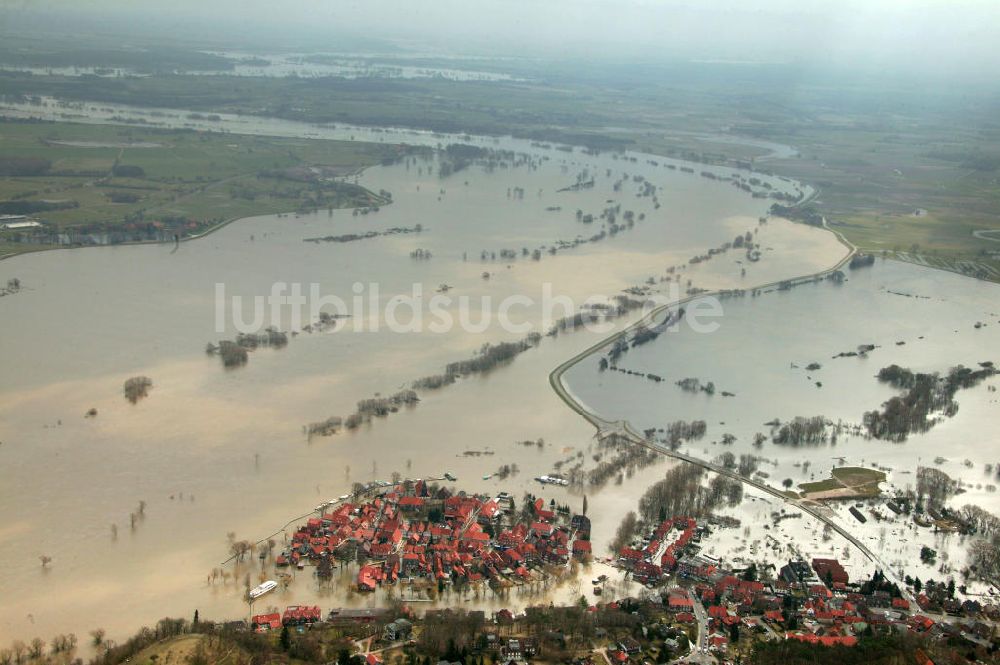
694	606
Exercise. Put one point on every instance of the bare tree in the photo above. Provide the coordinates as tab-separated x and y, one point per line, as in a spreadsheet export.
240	548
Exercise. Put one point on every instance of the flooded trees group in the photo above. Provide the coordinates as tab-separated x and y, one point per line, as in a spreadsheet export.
923	394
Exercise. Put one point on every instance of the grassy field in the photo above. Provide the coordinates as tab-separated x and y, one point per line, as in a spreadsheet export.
917	195
846	482
101	178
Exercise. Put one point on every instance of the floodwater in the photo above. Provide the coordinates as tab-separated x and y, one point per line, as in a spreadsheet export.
212	451
919	318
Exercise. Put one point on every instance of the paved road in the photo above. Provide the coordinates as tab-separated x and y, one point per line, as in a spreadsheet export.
699	648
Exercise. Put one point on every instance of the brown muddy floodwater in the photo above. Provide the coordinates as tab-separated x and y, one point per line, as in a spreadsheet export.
212	451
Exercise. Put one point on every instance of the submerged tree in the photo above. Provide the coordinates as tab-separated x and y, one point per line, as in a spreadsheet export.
136	388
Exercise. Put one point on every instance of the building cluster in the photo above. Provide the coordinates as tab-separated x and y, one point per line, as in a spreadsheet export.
707	604
294	615
813	602
412	531
660	554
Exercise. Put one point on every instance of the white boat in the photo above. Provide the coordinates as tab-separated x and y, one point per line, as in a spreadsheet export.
261	589
552	480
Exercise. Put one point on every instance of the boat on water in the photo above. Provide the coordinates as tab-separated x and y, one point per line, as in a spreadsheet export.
552	480
262	589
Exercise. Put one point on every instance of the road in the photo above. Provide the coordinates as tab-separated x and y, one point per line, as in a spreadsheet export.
699	649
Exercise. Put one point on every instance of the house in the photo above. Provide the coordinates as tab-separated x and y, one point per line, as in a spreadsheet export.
580	524
581	548
830	571
261	623
343	615
368	577
718	612
630	557
519	648
646	572
490	513
400	629
300	615
679	602
718	642
796	572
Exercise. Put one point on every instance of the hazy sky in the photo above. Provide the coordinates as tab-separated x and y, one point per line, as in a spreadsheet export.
941	34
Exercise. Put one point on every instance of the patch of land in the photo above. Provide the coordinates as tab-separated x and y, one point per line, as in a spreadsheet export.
846	482
80	180
178	649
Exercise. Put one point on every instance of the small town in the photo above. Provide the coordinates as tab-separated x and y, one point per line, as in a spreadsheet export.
417	532
690	607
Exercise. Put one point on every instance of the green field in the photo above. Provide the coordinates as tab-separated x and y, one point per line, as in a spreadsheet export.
102	178
917	195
